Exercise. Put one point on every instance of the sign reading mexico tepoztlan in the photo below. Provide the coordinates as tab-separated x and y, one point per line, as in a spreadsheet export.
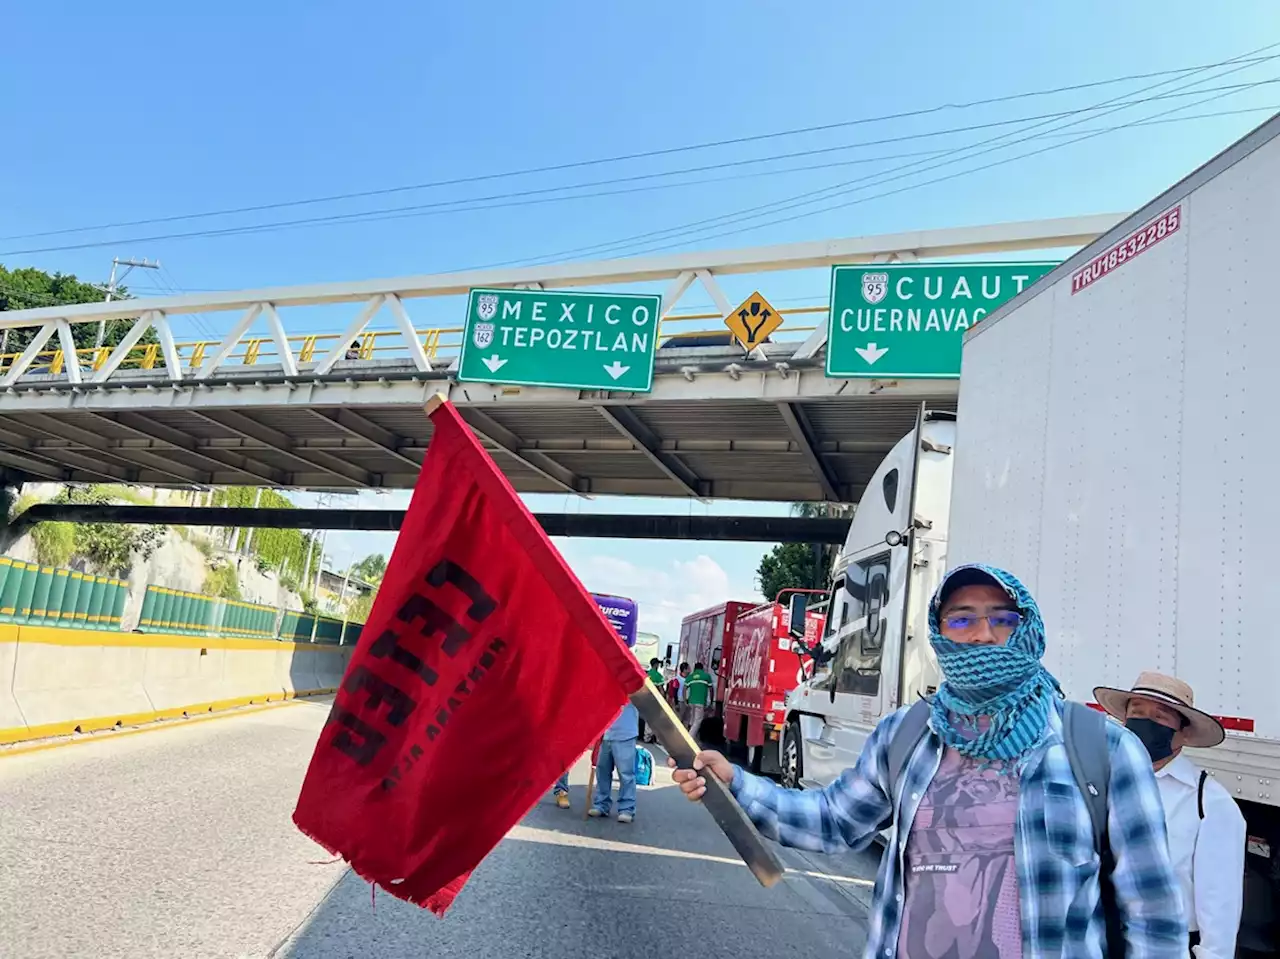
584	341
908	320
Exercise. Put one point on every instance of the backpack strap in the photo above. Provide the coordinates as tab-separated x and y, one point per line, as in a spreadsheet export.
905	738
1084	734
1204	774
1085	737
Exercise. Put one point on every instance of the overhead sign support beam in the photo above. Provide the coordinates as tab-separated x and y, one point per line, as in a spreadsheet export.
798	423
628	424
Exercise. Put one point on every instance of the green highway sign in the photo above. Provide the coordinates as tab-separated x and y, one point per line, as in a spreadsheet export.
582	341
908	320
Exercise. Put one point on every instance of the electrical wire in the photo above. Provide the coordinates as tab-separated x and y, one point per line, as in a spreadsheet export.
649	154
536	197
687	230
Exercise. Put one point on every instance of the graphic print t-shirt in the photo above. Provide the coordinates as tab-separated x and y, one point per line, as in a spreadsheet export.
961	885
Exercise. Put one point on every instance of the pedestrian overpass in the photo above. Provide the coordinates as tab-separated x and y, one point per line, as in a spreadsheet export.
271	404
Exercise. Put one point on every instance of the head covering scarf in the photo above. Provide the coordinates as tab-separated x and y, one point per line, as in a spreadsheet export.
1006	686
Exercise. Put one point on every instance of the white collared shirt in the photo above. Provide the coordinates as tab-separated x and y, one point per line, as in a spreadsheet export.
1208	856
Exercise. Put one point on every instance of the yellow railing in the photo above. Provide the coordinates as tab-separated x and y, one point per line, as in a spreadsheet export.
436	343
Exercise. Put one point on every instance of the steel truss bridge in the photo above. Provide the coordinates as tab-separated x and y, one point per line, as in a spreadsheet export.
267	407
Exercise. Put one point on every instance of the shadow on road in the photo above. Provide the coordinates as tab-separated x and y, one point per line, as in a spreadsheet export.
562	886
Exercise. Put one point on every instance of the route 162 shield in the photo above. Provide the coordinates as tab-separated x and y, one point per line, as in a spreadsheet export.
482	335
875	286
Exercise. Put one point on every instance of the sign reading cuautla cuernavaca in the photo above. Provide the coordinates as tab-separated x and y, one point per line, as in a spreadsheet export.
585	341
908	320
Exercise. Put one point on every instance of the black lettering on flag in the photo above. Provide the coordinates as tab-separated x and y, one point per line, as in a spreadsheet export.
388	645
370	742
400	704
447	571
435	620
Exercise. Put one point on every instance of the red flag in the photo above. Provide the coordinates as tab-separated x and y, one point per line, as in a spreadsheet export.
485	670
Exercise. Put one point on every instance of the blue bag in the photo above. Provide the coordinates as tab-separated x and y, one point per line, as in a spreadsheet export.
644	766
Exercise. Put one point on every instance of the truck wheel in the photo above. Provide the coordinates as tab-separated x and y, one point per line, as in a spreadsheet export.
792	756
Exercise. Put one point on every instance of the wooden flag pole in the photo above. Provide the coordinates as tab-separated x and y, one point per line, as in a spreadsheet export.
591	785
724	809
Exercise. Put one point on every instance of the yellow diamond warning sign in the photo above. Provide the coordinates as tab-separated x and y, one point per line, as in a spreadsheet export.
753	321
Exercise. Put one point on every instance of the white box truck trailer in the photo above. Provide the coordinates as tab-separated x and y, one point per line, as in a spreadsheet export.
1114	449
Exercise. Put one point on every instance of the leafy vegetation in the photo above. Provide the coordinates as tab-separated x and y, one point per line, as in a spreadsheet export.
109	547
284	550
222	582
359	607
54	543
29	288
371	569
801	565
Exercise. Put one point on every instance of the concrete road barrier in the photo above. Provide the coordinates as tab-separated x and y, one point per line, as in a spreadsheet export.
185	677
66	680
55	682
10	715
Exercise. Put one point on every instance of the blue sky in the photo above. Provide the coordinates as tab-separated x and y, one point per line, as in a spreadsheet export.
148	110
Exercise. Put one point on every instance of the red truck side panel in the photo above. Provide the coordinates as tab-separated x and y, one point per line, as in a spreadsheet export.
760	672
705	637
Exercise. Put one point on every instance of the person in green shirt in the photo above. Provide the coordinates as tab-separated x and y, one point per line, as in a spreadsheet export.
659	681
697	693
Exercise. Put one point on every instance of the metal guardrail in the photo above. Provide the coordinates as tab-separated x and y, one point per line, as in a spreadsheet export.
37	595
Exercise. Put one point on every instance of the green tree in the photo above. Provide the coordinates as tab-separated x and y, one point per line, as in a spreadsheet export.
371	569
791	566
109	546
280	549
359	607
802	565
27	288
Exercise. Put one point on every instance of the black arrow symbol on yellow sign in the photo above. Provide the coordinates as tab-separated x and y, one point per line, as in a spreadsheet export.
755	311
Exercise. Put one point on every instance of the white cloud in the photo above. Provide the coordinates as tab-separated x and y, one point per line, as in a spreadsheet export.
664	594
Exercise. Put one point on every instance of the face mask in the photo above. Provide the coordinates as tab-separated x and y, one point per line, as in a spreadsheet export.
1158	739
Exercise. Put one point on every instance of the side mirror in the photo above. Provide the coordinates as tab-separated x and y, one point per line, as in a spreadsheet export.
894	538
799	604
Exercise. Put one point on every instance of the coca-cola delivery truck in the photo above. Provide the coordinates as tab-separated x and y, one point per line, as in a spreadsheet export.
750	650
1113	449
759	667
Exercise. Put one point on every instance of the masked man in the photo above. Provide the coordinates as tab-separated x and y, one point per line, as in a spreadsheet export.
992	853
1206	828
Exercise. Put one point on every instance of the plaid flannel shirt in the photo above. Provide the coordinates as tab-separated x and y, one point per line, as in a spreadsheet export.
1057	866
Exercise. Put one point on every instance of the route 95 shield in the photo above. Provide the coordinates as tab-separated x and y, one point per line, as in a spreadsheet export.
486	308
874	286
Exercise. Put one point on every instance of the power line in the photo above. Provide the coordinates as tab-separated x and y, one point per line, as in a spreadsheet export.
648	154
687	230
903	189
538	196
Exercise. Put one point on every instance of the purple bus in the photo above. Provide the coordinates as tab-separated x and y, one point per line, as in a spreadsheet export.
621	613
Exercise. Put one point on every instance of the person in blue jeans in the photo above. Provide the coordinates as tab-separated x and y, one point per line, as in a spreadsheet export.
561	790
618	750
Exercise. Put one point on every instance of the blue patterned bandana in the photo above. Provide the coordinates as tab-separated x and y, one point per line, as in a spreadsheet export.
1006	686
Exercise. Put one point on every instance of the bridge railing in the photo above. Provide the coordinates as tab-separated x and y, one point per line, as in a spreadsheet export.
439	344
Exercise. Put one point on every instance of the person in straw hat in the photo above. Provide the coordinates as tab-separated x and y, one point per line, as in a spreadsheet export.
1206	829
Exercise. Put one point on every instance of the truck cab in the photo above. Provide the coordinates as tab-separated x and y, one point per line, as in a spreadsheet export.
873	654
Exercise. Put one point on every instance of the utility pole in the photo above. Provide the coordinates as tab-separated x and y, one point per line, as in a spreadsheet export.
114	281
